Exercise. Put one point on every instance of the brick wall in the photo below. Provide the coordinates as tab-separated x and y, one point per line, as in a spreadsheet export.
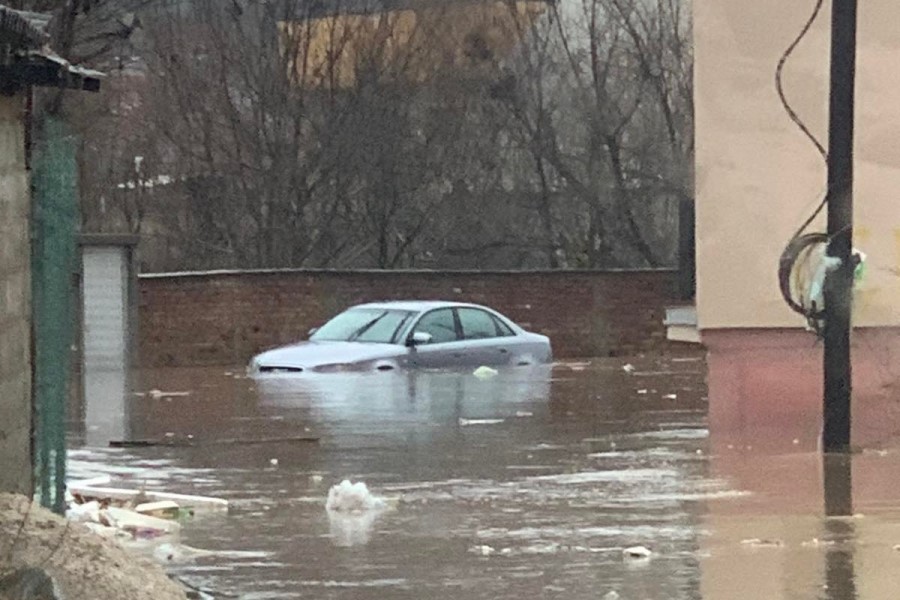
15	302
226	317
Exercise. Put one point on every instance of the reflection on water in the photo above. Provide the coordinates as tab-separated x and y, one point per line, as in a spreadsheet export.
838	485
351	529
530	483
840	579
105	391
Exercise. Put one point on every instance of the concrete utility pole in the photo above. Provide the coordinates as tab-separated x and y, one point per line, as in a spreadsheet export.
838	291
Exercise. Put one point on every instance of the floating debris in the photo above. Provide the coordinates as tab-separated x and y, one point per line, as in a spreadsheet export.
483	550
157	394
172	441
763	543
273	462
524	413
466	422
817	543
107	495
629	368
162	509
485	372
349	497
637	552
138	525
670	397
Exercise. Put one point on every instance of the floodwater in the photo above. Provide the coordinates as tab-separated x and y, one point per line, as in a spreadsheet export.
528	484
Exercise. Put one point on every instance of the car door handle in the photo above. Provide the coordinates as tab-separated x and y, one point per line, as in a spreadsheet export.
504	351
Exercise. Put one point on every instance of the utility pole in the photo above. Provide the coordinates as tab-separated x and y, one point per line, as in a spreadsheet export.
839	287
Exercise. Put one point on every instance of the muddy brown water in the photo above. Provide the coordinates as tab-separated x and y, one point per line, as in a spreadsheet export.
527	484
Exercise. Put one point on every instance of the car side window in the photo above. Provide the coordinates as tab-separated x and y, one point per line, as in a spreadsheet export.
440	324
503	330
477	324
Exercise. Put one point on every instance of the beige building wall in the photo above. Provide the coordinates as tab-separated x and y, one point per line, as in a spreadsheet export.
758	177
15	302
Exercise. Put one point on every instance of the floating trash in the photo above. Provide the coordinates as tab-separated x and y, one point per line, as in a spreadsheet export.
348	497
483	550
466	422
637	552
157	394
485	372
763	543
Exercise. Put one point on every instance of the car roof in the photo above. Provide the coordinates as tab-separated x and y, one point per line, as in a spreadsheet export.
416	305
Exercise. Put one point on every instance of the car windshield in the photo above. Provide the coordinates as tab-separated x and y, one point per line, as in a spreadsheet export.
375	325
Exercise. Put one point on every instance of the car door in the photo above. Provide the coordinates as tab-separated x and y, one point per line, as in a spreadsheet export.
446	346
487	340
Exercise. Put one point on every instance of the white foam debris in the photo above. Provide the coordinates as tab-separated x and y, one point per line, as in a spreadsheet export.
629	368
612	595
817	543
524	413
485	372
352	498
670	397
352	510
637	552
273	462
89	512
157	394
483	550
466	422
642	392
763	543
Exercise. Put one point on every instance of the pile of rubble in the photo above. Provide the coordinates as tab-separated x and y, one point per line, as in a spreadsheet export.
48	555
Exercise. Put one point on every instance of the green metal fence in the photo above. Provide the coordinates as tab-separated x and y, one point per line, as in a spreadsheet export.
54	263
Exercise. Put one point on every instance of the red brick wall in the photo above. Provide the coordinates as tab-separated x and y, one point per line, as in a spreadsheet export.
226	317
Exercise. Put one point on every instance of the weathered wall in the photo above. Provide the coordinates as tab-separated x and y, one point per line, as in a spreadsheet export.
15	302
222	318
758	177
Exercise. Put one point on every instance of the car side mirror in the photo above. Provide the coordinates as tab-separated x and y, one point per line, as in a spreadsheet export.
312	331
419	338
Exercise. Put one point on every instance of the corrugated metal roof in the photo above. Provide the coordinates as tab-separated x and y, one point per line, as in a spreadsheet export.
22	30
27	59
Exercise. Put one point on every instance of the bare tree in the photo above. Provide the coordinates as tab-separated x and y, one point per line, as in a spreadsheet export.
454	135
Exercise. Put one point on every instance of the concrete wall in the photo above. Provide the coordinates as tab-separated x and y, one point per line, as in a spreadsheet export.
15	302
758	177
225	318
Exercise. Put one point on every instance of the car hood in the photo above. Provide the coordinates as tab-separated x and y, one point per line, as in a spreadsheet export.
311	354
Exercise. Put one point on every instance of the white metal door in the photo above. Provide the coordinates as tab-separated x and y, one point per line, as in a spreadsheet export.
104	286
105	330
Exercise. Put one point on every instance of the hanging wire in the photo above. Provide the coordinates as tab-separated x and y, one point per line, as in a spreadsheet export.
779	84
801	245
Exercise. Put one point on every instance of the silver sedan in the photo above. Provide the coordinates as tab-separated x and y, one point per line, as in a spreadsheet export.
391	335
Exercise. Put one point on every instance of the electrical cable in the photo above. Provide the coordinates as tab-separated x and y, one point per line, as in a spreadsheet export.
779	85
800	244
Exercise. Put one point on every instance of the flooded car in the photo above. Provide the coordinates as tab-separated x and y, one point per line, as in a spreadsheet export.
390	335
